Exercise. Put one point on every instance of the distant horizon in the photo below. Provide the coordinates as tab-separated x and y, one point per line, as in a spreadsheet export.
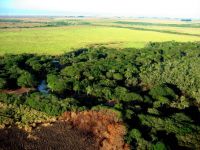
22	13
104	8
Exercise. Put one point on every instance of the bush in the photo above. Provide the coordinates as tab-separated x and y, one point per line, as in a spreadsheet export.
21	115
2	83
120	92
117	76
26	80
51	104
131	82
182	103
159	146
133	134
12	99
129	113
132	97
162	90
55	83
34	62
161	101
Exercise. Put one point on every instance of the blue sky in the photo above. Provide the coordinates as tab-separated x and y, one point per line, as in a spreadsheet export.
136	8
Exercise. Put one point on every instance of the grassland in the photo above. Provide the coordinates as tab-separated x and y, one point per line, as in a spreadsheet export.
56	36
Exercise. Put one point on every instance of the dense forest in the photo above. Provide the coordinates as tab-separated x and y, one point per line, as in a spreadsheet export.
156	90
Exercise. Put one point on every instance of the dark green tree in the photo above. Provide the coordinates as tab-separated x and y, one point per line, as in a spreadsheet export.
26	80
55	83
2	83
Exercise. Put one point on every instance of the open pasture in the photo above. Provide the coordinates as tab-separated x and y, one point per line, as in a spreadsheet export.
58	40
56	36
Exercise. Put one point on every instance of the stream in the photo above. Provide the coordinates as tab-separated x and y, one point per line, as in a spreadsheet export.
42	87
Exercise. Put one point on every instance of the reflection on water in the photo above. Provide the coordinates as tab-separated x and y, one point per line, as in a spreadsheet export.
42	87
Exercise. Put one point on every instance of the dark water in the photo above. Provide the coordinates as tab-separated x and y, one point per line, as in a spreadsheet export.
42	87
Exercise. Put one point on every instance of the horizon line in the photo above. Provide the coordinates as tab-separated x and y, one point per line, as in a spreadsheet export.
94	16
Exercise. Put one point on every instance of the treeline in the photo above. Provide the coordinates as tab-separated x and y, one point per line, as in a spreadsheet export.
65	23
37	24
10	20
189	25
156	89
148	29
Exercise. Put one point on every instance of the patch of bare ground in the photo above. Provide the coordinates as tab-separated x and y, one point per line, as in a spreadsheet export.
22	90
104	125
59	136
86	130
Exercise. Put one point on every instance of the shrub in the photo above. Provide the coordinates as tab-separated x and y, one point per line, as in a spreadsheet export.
133	134
51	104
132	97
159	146
2	83
162	90
117	76
182	103
120	92
34	62
129	113
161	101
26	80
12	99
131	82
55	83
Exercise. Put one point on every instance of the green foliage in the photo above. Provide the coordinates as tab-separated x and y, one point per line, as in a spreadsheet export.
179	124
118	106
66	23
34	62
161	101
133	134
159	146
153	111
108	83
120	92
20	115
117	76
129	113
51	104
155	89
178	67
197	25
70	71
162	91
132	97
131	82
55	83
12	99
10	20
26	80
182	103
109	111
2	83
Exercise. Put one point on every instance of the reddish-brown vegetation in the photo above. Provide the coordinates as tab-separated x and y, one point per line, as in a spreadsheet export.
105	126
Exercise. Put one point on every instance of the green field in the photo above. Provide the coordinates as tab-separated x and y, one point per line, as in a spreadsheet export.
59	37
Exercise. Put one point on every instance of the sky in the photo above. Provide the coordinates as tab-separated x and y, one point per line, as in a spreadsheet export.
134	8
